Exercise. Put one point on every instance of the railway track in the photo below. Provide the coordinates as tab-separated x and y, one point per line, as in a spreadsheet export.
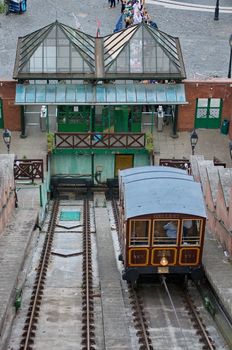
38	290
88	340
198	324
150	305
139	318
139	314
37	293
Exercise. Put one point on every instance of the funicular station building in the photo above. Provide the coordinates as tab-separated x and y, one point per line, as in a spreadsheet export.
97	97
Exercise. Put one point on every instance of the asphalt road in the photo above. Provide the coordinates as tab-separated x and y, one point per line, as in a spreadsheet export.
204	42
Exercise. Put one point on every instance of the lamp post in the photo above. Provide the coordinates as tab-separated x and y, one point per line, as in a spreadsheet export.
193	140
230	62
216	12
7	139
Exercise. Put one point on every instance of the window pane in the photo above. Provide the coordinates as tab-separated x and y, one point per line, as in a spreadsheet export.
202	102
165	231
214	113
215	102
191	230
201	113
139	232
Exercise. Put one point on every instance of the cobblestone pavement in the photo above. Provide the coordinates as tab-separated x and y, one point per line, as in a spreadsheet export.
204	41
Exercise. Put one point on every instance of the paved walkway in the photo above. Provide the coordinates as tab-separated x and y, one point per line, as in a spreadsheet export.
202	6
14	247
116	328
204	42
211	143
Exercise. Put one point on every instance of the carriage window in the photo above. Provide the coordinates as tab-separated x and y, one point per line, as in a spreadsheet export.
165	231
191	230
139	232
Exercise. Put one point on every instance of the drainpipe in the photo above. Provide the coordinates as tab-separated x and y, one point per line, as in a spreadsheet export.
23	123
174	126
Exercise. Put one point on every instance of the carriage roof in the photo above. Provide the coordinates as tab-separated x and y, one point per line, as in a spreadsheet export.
124	175
163	195
155	175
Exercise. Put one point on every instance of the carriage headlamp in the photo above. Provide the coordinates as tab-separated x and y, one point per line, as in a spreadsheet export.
164	261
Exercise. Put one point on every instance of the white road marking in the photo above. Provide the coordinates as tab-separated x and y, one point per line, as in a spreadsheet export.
190	7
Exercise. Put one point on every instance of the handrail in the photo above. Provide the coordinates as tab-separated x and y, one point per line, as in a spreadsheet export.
99	140
28	169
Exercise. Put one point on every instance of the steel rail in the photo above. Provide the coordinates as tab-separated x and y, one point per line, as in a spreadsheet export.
140	321
206	338
38	288
139	318
87	297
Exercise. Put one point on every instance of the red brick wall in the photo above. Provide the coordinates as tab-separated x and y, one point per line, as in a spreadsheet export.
215	88
11	113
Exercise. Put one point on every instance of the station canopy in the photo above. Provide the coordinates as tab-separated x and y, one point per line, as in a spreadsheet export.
60	52
61	65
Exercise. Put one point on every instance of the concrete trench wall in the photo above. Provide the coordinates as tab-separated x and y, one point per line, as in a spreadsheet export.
217	189
7	186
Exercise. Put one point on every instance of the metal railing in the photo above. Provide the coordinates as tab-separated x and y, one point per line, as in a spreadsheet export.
99	140
28	169
176	163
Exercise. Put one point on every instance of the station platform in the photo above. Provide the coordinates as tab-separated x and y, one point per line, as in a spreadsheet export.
218	269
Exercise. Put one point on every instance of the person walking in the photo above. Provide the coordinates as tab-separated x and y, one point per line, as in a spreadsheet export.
112	4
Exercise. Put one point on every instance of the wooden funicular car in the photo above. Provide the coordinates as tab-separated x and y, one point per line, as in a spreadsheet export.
162	222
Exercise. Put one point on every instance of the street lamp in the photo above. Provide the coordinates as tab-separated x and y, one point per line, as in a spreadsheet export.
216	12
193	140
7	138
229	71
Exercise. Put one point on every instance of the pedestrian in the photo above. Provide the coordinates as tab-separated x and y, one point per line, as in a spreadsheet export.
112	4
123	5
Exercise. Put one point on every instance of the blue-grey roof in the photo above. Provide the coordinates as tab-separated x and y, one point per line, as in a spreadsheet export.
163	195
155	175
126	174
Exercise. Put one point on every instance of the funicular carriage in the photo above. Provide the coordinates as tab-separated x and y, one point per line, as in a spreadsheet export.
162	222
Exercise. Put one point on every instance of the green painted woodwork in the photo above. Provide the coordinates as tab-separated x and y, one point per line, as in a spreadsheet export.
106	162
99	118
73	118
70	215
136	119
121	114
86	165
141	160
208	113
71	164
83	151
1	115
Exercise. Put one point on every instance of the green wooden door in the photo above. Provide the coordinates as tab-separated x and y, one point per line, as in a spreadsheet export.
73	118
121	119
208	113
1	115
136	119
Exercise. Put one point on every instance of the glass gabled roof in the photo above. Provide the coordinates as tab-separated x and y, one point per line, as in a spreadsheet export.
57	48
60	52
147	51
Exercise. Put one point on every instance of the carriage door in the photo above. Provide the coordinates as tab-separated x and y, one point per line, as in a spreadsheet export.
123	161
208	113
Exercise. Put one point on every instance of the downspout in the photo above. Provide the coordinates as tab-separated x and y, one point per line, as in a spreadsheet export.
23	123
174	125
